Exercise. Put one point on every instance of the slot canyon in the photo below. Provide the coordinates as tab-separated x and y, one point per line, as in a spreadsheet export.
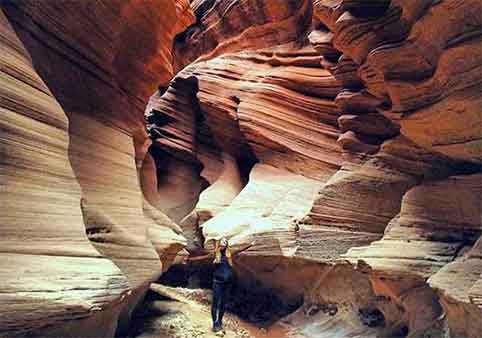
341	138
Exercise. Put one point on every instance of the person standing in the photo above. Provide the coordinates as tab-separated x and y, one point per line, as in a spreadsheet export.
222	278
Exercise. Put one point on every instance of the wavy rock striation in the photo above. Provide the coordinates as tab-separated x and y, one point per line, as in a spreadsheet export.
365	131
342	135
49	269
75	80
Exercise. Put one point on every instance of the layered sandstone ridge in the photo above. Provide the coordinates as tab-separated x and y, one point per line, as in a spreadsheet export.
80	242
351	153
405	66
343	136
43	280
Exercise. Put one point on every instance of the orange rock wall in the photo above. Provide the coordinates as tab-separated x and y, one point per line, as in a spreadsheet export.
49	269
373	103
343	135
75	80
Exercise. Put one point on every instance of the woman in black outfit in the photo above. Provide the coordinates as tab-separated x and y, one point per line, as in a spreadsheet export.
222	278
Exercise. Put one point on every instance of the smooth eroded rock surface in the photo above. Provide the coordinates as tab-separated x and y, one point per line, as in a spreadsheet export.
342	136
52	278
364	133
75	80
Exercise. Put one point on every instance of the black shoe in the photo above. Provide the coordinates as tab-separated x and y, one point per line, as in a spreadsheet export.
217	327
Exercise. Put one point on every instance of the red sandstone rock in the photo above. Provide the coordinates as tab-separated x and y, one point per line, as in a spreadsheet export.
52	279
343	135
72	172
380	88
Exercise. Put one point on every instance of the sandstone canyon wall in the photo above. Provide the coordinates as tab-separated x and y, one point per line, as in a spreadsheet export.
347	135
78	238
344	136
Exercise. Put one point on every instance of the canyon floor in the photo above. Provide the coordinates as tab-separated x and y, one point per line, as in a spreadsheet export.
175	312
339	139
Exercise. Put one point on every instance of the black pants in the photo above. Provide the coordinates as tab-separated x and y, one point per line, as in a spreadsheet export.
220	296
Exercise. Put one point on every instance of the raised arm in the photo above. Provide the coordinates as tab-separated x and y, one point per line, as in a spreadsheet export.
244	248
198	258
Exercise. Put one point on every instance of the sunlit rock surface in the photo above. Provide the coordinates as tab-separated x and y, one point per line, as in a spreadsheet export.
52	279
75	78
460	296
343	136
365	131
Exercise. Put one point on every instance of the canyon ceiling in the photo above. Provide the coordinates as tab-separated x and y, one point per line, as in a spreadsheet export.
344	136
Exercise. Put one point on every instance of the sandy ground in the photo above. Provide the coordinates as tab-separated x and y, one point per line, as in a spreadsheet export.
171	312
185	313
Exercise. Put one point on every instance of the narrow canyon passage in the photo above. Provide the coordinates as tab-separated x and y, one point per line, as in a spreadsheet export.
180	312
335	144
178	306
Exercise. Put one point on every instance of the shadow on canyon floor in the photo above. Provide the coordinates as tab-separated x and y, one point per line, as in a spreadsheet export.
176	312
259	306
179	307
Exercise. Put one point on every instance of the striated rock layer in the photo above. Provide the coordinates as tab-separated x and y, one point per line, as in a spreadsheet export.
342	135
75	78
365	129
49	269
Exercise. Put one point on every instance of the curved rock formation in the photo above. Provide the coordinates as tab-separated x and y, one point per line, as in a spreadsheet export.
223	26
382	79
53	280
406	57
73	144
342	135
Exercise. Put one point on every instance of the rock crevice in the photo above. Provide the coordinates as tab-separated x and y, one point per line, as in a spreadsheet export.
342	135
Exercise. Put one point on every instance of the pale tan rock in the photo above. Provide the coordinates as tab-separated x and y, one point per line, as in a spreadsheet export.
352	142
420	243
171	184
342	135
52	279
361	198
101	71
386	81
266	206
254	111
221	193
322	325
433	225
458	285
321	40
